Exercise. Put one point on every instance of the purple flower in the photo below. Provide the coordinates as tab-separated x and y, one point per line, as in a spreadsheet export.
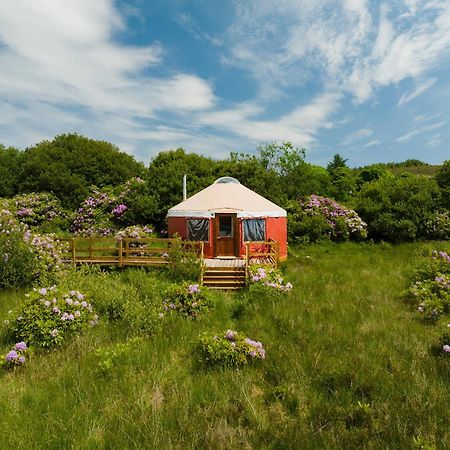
42	291
20	346
54	332
11	356
21	359
193	288
230	335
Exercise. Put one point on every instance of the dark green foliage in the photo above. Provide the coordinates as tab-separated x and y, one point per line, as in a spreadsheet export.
17	260
184	263
443	181
397	208
69	164
143	205
10	164
370	173
337	162
165	177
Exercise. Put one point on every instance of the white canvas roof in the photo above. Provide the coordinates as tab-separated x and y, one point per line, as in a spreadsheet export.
226	195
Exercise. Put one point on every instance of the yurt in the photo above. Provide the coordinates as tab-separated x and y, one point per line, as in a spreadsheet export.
225	216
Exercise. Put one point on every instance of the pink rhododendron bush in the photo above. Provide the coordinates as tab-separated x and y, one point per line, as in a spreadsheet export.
230	348
189	300
104	212
429	293
27	256
267	278
36	209
323	218
430	289
49	316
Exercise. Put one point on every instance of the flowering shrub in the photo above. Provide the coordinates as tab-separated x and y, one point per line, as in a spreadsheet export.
430	289
47	250
444	342
16	356
135	232
36	208
267	278
94	217
230	349
187	299
342	223
26	256
103	212
439	226
48	317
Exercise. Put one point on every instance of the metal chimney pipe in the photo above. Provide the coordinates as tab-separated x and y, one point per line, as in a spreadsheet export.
184	188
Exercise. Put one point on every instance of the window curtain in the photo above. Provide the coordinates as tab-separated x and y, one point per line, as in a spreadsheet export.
198	230
254	230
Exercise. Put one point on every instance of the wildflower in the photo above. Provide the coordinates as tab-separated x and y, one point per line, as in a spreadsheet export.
54	332
21	359
20	346
193	288
42	291
230	335
11	356
77	313
47	303
446	348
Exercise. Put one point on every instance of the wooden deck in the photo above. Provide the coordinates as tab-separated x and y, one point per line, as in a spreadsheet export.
218	273
228	262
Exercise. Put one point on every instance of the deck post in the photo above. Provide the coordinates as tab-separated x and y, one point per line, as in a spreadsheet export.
73	250
120	252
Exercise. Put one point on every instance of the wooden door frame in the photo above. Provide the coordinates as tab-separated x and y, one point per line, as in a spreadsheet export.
235	232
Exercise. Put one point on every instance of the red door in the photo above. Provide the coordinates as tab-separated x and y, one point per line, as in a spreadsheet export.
226	235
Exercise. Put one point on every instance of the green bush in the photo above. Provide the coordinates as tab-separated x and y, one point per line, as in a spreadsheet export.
438	227
230	349
113	357
430	290
188	300
49	316
398	208
183	264
263	278
17	261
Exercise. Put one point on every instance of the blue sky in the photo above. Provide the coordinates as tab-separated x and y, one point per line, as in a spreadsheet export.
369	80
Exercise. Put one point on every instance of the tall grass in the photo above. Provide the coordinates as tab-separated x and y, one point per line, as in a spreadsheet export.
348	366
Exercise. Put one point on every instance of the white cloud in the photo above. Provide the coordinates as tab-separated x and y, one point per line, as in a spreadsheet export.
371	143
62	65
420	130
419	90
357	135
299	126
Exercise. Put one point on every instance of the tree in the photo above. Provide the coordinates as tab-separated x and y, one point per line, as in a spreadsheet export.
69	164
165	174
10	162
337	162
443	181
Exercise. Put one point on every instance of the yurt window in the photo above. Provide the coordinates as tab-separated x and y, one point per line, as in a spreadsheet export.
198	230
254	230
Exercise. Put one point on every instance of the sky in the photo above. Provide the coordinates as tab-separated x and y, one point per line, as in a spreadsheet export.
369	80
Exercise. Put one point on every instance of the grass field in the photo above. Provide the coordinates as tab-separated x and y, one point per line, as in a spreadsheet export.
349	365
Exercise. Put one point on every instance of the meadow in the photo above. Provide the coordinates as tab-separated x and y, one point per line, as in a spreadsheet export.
350	364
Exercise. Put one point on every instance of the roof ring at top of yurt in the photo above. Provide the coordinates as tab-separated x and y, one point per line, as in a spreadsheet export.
226	180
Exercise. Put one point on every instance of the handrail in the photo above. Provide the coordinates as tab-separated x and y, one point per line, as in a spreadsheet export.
121	251
266	252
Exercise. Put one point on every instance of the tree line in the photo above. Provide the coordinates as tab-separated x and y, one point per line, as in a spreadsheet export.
396	207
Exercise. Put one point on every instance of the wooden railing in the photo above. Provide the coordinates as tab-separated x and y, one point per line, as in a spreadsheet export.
125	251
262	252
